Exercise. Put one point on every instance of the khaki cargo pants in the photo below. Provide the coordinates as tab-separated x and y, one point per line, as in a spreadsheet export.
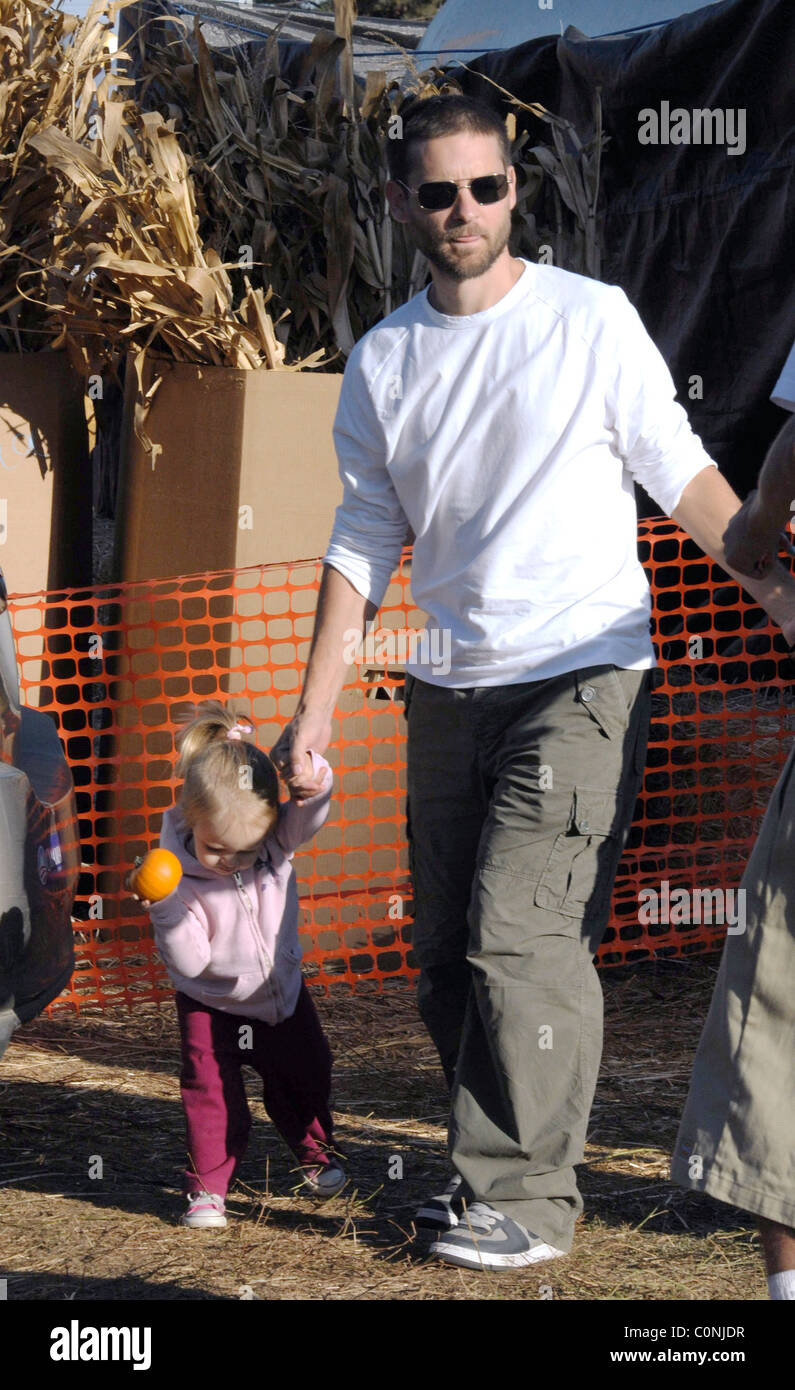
519	802
737	1136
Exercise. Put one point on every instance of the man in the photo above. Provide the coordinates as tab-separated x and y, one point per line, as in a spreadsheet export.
737	1136
503	414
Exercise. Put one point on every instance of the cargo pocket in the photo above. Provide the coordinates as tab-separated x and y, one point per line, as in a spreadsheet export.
577	879
601	694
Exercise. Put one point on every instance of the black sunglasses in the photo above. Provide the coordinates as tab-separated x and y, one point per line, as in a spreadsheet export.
434	197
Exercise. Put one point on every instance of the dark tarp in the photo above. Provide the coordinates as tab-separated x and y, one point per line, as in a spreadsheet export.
145	27
701	241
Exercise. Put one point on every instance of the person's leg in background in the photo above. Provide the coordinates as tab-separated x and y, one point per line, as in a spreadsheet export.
778	1248
736	1139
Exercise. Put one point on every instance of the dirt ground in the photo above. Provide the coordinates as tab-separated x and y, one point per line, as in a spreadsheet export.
104	1087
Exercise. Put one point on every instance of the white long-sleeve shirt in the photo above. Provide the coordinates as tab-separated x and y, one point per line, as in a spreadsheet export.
509	441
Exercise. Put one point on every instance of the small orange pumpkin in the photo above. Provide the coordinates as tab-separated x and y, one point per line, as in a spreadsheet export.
159	873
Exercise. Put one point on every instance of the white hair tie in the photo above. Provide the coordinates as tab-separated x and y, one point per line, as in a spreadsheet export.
239	730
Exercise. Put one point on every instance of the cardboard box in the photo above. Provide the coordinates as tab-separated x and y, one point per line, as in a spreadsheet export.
45	477
227	441
243	470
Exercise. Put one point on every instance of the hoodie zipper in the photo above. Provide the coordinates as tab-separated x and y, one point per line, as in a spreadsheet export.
268	963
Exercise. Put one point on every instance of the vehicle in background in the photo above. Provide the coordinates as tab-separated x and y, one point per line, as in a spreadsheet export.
39	851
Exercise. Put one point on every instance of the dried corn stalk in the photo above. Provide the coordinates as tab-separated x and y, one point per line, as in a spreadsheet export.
573	168
48	64
292	178
99	234
108	241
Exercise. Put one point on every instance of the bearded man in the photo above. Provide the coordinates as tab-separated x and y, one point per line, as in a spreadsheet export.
504	414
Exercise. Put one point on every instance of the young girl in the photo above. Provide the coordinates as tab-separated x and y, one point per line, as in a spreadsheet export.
228	934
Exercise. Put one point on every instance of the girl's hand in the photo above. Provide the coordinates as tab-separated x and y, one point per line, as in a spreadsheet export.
296	784
128	883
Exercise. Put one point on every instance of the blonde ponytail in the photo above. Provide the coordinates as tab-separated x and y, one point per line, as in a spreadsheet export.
213	751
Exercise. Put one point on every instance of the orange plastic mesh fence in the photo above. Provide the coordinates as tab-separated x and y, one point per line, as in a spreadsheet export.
113	664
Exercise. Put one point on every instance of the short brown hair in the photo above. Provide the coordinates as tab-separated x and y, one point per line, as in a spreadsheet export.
447	114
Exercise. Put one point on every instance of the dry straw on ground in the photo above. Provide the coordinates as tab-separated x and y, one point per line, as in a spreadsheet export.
107	1085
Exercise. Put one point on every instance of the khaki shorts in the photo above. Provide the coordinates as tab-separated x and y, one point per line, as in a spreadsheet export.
736	1140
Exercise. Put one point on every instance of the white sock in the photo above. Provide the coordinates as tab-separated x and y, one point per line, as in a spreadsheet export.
782	1285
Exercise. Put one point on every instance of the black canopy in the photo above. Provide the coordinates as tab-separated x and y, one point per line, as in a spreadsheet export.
700	239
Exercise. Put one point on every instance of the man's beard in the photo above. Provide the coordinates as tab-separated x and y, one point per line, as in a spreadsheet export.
435	247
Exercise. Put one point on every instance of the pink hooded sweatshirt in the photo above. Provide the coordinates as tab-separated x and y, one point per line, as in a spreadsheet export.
231	941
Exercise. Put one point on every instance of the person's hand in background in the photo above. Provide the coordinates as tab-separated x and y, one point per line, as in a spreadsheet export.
751	539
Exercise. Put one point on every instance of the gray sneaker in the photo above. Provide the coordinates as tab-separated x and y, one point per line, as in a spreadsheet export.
441	1213
485	1239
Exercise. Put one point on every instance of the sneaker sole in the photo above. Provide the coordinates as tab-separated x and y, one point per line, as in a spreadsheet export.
454	1255
212	1221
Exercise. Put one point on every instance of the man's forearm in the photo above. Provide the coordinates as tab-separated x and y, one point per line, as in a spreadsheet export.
340	610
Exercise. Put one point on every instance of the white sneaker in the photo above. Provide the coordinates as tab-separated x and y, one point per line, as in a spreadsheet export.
323	1180
204	1209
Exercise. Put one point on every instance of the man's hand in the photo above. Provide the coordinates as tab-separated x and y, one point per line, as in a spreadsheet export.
341	610
291	754
751	539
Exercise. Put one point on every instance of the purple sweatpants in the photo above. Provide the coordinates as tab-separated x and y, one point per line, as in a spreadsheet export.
293	1059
